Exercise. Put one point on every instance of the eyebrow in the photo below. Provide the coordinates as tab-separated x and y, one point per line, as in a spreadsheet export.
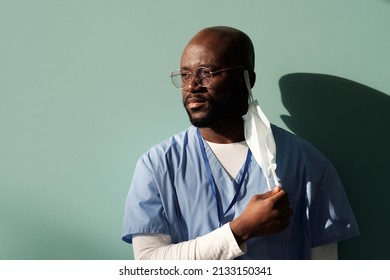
211	67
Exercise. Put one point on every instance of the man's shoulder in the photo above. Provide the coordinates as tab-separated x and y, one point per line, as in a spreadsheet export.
281	134
287	141
173	144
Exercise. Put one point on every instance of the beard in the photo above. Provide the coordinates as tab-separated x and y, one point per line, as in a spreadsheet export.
224	110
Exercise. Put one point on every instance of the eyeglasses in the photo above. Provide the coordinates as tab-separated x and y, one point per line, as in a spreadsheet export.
203	76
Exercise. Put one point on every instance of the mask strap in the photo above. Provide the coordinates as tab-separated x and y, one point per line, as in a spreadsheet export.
248	86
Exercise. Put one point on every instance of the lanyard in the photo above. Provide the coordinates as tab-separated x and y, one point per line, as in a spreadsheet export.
238	186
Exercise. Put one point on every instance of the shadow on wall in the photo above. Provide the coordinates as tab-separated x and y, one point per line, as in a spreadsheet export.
350	124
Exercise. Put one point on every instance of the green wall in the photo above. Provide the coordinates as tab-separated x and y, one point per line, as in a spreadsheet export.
85	89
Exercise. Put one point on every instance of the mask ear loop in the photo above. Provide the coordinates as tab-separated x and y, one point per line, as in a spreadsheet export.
269	132
248	86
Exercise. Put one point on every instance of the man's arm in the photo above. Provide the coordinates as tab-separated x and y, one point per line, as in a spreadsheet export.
159	247
216	245
265	214
325	252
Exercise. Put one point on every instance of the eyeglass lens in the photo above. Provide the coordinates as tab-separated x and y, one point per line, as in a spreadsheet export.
202	75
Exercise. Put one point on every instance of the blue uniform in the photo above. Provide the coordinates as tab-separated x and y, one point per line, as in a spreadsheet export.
170	193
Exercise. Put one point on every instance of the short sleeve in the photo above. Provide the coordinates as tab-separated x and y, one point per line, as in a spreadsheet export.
144	212
330	214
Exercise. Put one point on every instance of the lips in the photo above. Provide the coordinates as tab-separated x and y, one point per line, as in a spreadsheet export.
195	102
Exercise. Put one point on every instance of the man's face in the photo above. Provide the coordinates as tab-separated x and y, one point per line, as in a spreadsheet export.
222	101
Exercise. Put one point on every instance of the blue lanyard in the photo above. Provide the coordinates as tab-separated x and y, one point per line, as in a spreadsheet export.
238	186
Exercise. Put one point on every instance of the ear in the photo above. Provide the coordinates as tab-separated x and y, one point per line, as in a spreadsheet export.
252	78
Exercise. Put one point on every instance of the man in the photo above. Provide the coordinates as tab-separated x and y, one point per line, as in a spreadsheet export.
202	195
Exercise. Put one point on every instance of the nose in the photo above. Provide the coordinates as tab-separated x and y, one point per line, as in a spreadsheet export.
192	84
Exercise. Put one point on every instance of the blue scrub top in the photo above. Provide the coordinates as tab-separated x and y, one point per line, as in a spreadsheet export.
170	193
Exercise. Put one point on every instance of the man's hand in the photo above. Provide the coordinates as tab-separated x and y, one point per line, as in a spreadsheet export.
265	214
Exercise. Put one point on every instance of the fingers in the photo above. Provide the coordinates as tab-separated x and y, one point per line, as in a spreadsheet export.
279	197
276	189
281	204
282	225
282	221
276	226
265	195
285	212
270	193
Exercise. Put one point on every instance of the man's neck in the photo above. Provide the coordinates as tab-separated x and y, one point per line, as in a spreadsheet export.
224	133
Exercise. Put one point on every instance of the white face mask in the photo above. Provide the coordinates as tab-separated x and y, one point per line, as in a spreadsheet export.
259	137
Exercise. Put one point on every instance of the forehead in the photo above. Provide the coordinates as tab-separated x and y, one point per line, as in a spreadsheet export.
206	52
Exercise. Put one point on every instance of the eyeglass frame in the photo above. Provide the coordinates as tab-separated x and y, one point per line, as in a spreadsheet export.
192	75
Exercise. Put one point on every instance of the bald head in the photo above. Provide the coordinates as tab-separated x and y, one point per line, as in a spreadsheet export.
233	45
